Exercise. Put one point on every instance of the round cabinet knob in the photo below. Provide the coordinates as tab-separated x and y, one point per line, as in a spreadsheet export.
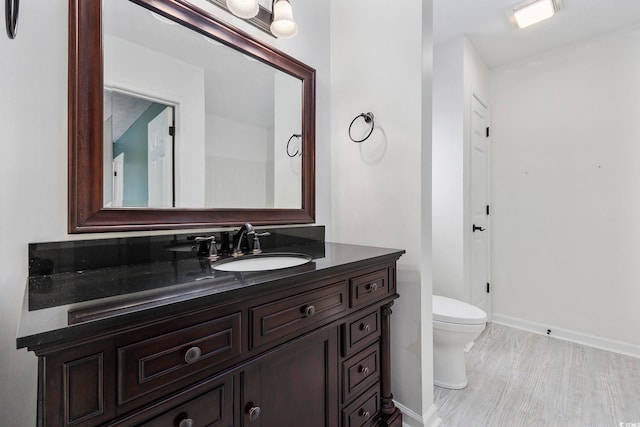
187	422
373	287
192	355
365	328
365	414
364	370
254	413
310	311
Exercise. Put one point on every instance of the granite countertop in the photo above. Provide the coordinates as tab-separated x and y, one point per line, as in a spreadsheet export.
63	305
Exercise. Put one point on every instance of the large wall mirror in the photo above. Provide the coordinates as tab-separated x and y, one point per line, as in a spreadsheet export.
178	120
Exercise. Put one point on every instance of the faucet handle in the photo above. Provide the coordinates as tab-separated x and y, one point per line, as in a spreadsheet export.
207	247
256	241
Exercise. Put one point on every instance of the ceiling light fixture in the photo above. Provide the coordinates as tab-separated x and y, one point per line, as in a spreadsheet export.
532	12
283	25
246	9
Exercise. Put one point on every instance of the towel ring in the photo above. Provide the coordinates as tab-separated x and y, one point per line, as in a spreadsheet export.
368	118
298	152
11	17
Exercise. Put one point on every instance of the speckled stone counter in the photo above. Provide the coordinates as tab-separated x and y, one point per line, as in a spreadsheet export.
64	300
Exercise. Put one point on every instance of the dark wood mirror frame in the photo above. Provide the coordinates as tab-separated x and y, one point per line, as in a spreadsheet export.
86	212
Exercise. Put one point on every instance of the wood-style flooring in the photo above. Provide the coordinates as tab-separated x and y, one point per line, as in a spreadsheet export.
518	378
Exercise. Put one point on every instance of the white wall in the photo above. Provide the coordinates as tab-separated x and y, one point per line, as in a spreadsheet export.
242	163
565	183
448	164
377	65
287	171
459	73
33	181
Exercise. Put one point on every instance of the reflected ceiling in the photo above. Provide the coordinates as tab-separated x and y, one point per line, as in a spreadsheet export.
139	25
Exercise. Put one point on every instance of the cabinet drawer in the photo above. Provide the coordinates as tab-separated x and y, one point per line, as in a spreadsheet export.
360	372
369	287
364	411
361	332
212	409
277	319
155	362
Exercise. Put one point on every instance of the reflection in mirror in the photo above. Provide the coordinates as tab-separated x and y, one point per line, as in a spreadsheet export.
121	50
138	151
192	123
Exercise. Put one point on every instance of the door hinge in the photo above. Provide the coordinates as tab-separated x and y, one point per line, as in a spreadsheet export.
488	287
487	132
488	210
172	130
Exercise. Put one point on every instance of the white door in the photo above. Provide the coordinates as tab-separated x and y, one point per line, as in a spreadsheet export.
479	226
118	181
160	166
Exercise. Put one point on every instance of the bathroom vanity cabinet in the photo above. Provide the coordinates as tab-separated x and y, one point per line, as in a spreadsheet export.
310	347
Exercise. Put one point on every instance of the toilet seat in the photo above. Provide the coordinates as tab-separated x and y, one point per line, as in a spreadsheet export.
449	310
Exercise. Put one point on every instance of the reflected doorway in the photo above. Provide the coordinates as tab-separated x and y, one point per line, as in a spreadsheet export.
139	140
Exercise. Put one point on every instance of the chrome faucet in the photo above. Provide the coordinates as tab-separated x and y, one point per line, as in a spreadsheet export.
244	231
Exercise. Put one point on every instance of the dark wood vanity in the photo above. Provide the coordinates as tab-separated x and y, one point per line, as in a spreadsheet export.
168	341
305	346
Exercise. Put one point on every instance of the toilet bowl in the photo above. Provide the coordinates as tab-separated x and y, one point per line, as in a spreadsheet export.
455	324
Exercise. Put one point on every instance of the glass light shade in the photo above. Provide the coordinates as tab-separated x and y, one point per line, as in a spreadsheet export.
534	12
243	8
283	25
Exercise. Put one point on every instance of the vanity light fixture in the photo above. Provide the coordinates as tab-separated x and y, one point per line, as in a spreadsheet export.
532	12
246	9
283	25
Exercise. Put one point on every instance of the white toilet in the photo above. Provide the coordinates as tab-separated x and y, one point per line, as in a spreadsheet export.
455	324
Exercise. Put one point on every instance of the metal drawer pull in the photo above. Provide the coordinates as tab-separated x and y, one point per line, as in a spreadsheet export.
373	287
365	328
364	370
253	411
365	414
192	355
187	422
310	311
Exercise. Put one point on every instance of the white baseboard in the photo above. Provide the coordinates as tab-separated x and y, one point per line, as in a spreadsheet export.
411	418
569	335
431	417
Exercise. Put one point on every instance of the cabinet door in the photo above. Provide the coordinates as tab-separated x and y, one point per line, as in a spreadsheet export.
78	386
294	385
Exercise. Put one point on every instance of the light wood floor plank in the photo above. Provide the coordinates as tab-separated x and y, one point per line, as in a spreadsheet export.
520	379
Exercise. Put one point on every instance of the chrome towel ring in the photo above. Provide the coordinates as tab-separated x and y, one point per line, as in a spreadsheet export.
11	8
297	152
368	118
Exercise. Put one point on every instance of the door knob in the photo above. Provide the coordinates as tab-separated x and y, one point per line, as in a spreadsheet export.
476	228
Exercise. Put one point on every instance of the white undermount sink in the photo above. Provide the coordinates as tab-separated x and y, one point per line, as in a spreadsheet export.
262	262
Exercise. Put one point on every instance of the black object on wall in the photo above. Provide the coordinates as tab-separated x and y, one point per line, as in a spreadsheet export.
11	9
